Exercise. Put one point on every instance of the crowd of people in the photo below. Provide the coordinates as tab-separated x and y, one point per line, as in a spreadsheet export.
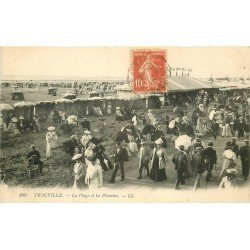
146	137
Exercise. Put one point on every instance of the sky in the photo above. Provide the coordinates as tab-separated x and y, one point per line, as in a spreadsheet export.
113	63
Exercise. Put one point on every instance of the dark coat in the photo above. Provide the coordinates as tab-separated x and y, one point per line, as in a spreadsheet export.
86	125
235	149
34	155
121	156
198	163
245	153
69	146
180	161
210	155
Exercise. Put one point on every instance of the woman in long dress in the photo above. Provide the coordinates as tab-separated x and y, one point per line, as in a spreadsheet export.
12	128
79	172
199	126
51	139
132	146
158	162
109	109
230	160
94	175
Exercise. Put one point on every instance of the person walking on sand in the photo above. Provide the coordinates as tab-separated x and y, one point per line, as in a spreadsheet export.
121	156
51	140
181	165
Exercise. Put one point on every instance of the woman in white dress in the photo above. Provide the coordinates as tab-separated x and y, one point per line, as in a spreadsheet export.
109	109
132	146
51	139
230	159
229	181
79	172
12	128
199	126
94	175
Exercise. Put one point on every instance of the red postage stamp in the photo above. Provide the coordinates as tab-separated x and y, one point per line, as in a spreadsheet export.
149	71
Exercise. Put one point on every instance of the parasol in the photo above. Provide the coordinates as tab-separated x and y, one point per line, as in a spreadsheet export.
24	104
5	106
184	140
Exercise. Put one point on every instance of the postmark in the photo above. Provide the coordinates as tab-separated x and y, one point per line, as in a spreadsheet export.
149	70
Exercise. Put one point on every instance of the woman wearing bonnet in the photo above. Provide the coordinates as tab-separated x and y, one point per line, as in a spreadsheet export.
158	162
94	175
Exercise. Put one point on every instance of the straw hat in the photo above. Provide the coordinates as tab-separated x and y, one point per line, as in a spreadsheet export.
231	171
86	132
14	119
76	157
51	128
198	149
21	117
159	141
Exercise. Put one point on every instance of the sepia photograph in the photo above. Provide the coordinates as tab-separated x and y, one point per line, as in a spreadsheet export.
134	124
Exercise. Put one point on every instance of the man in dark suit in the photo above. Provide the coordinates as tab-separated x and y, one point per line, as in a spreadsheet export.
86	124
34	158
181	165
234	146
69	145
121	156
210	158
241	127
245	159
215	129
199	166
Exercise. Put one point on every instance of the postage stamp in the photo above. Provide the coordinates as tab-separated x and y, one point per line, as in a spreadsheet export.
149	71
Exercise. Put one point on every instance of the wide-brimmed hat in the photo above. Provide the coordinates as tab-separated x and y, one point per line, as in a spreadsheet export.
21	117
198	149
199	135
76	157
51	128
117	107
14	119
233	138
232	171
86	132
159	141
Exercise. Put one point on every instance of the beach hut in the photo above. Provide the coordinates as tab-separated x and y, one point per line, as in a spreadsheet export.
24	108
80	106
5	109
65	105
44	108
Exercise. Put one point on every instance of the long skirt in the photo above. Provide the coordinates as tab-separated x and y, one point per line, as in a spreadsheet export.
48	150
227	163
157	174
